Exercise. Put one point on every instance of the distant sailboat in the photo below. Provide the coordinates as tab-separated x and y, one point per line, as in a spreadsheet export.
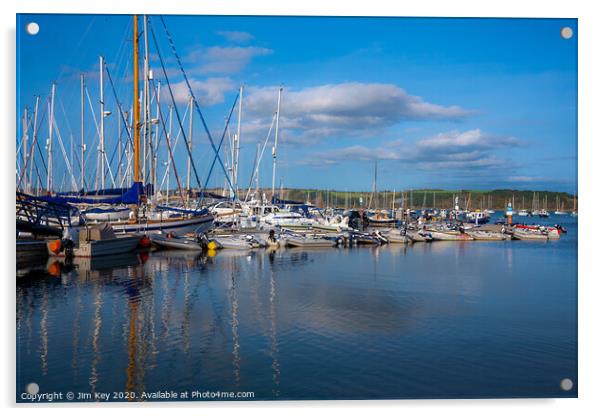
574	212
559	207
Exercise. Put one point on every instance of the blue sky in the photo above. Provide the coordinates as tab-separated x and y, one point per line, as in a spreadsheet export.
440	103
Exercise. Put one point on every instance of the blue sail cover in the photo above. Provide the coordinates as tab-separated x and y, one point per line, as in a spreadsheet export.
114	196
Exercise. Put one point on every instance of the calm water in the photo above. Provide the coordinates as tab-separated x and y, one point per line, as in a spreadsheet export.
473	319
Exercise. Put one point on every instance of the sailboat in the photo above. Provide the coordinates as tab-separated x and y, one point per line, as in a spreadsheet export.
559	208
574	212
523	212
129	210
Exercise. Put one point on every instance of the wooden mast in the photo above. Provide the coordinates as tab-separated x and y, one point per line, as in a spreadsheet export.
136	106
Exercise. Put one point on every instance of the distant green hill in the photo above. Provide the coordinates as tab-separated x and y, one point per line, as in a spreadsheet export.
418	198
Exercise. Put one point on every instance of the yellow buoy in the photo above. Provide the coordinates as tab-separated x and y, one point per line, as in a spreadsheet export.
212	245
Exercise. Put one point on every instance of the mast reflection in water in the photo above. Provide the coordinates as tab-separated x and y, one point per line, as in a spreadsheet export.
493	319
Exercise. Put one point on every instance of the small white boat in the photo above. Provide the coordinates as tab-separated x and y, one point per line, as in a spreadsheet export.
419	236
337	223
381	219
524	234
450	236
237	242
301	241
286	219
484	235
170	240
396	237
523	213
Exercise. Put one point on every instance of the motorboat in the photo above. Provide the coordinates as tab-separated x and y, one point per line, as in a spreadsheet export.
173	241
307	241
237	242
381	219
420	236
336	223
99	240
287	219
397	237
477	217
450	235
487	235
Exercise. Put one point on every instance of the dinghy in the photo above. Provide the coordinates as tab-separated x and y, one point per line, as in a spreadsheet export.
307	242
420	236
395	237
237	242
485	235
450	236
170	240
527	234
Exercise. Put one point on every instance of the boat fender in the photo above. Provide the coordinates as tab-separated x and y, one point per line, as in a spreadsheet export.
55	246
144	242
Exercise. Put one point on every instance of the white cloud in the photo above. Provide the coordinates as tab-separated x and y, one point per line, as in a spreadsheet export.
473	139
223	59
208	92
453	150
524	178
235	36
344	110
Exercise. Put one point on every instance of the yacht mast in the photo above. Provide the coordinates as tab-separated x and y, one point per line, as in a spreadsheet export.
190	147
24	150
136	96
49	183
146	94
34	141
237	141
156	151
101	146
82	145
275	149
168	158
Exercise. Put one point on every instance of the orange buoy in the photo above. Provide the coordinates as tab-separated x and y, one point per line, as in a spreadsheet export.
143	257
54	269
144	242
55	246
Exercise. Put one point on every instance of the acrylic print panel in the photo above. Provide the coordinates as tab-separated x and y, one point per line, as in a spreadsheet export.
291	208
